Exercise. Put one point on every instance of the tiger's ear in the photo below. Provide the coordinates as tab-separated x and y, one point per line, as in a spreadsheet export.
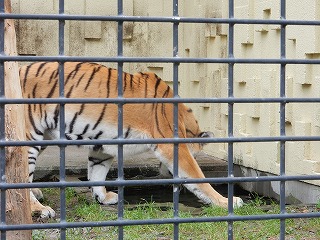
206	135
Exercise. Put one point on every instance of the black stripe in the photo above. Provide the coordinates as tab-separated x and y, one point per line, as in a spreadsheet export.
67	136
95	160
125	82
52	76
30	174
81	108
156	87
155	91
72	123
97	148
145	86
26	76
157	121
98	135
139	81
127	132
40	67
164	114
46	119
91	159
37	131
40	109
163	107
100	117
44	71
79	137
32	158
34	90
166	93
52	89
108	82
74	72
36	148
80	79
34	107
32	137
85	129
69	92
57	74
31	162
56	116
131	81
92	76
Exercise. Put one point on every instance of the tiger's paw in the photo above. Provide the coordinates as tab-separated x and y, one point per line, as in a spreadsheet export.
237	202
44	211
47	212
111	198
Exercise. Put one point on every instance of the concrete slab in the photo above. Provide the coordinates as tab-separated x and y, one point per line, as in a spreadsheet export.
144	165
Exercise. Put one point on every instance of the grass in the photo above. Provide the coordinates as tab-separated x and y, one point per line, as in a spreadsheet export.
80	209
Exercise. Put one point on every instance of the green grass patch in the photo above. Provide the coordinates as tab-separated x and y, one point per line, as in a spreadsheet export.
81	209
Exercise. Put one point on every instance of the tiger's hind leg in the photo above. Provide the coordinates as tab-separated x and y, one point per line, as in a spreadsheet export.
36	194
98	168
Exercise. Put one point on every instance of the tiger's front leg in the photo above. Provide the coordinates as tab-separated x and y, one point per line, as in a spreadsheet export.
98	168
189	168
36	194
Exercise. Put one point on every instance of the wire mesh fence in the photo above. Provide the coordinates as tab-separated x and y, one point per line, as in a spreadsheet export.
282	100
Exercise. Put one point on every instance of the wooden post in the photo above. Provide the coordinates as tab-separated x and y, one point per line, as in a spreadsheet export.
17	200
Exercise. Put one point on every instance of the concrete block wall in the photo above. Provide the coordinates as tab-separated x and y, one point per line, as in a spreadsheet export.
201	80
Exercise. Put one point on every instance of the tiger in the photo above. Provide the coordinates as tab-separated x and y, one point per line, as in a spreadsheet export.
90	121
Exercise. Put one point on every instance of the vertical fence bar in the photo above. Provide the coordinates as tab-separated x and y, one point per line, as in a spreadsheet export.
2	127
62	123
282	119
175	120
230	117
120	122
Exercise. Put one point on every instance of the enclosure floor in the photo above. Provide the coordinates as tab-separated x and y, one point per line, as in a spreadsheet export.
143	165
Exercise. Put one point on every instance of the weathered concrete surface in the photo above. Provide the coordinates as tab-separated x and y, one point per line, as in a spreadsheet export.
144	165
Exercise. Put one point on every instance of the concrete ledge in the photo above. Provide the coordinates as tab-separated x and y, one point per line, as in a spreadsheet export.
296	192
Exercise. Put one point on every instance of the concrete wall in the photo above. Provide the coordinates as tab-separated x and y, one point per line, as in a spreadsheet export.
201	80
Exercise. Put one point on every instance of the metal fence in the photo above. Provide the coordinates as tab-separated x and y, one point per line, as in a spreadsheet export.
121	183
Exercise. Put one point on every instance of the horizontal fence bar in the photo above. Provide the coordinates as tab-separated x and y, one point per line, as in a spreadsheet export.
154	182
157	100
159	221
158	141
172	19
158	59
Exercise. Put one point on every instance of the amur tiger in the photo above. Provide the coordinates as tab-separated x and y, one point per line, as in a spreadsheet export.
99	121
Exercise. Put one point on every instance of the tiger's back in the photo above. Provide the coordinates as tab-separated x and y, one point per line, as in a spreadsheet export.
90	80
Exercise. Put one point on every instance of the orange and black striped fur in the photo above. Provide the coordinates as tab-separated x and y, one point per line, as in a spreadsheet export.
99	121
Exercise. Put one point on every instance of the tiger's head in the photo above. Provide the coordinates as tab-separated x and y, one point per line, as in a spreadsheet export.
193	131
